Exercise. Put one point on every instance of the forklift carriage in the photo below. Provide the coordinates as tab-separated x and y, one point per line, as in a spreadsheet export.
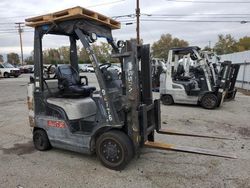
115	122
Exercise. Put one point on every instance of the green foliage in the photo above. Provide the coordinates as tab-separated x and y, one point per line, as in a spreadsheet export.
62	54
102	52
13	58
29	60
225	45
207	48
161	47
243	44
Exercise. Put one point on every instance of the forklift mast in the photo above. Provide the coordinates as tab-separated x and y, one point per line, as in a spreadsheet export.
141	112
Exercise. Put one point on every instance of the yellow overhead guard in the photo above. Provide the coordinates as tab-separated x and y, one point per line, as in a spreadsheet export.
70	14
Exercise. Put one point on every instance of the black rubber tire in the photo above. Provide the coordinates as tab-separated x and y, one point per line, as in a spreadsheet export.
6	75
16	76
114	149
209	101
41	140
167	99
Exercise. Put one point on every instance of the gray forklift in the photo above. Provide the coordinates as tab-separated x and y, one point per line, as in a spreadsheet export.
114	122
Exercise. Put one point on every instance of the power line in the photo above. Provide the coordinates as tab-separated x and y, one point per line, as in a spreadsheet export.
91	6
190	1
175	20
14	32
193	16
205	21
201	14
107	3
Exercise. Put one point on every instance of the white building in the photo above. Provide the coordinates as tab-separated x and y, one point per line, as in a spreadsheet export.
242	58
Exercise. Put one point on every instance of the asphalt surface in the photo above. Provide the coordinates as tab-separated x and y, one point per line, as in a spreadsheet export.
22	166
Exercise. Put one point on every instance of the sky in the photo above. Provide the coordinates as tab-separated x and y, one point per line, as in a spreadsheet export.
196	33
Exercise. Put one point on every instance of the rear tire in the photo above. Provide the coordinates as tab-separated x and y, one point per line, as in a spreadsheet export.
167	99
6	75
209	101
41	140
114	149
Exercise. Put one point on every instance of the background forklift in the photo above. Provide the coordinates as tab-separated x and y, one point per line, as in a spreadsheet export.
188	80
115	122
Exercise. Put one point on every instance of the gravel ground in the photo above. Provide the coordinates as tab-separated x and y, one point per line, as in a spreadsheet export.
22	166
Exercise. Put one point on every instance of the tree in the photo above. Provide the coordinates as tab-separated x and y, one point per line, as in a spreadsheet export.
64	52
1	58
161	47
51	56
207	48
225	45
29	60
243	44
102	52
83	57
13	58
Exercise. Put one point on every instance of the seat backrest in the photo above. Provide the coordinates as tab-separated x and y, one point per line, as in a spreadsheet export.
67	76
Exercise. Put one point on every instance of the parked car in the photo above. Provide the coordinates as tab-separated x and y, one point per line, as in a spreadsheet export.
7	70
83	67
90	68
27	69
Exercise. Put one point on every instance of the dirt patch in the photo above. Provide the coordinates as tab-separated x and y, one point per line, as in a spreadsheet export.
244	131
20	149
244	91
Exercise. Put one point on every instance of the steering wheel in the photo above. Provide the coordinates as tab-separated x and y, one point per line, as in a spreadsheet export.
51	71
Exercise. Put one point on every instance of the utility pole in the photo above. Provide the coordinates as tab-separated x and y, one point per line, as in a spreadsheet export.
20	31
209	44
137	11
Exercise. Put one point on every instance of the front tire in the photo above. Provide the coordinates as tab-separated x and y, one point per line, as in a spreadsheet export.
6	75
41	140
209	101
114	149
167	99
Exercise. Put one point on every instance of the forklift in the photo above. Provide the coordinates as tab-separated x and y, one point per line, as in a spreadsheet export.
116	121
188	80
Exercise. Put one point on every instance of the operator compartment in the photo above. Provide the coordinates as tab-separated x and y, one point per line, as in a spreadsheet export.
60	91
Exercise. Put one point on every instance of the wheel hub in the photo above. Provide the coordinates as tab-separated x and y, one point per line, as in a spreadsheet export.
111	151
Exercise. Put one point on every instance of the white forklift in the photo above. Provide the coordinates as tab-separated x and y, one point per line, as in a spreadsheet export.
187	80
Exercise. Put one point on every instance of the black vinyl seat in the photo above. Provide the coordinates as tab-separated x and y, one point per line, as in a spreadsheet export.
69	83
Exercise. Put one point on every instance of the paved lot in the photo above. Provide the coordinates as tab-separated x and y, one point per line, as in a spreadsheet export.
21	165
